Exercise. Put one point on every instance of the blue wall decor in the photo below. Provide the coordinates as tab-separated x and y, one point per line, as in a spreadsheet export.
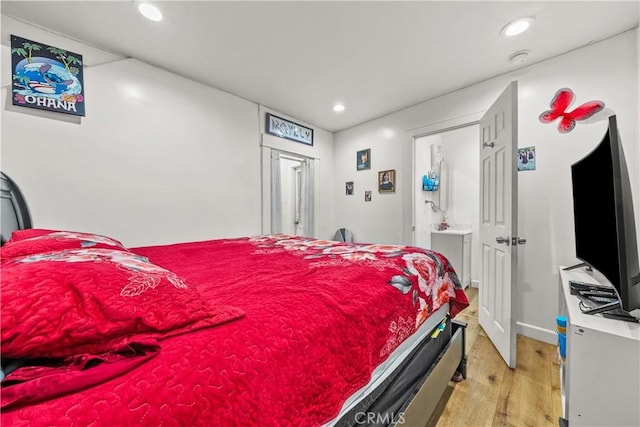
46	77
430	182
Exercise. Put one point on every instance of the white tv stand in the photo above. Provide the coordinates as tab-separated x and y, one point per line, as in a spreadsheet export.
600	379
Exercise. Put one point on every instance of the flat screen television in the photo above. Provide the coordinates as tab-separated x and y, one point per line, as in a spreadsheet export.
605	231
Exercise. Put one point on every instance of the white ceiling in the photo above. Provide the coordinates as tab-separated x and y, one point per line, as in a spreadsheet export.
300	57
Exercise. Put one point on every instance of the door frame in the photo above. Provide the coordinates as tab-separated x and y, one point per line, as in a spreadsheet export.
409	163
268	143
409	166
265	166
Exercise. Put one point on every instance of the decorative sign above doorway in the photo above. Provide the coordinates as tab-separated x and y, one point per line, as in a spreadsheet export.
46	77
278	126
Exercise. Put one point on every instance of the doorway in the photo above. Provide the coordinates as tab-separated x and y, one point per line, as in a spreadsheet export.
292	194
453	155
498	194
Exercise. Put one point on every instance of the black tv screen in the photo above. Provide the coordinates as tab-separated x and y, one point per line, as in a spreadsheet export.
605	231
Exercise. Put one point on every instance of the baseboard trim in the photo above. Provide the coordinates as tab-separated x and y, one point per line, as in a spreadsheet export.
475	284
537	333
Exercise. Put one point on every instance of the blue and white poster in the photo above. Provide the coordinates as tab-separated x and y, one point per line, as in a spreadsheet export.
46	77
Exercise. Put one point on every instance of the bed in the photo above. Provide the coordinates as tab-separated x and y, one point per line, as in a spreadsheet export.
265	330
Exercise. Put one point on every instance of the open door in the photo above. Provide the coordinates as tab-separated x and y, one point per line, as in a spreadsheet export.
499	222
292	194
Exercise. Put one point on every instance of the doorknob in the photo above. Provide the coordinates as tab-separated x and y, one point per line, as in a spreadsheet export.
504	240
487	144
518	241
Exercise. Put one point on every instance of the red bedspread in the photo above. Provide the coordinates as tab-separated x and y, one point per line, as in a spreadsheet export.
319	317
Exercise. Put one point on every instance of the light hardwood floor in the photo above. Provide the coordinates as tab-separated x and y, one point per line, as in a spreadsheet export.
493	394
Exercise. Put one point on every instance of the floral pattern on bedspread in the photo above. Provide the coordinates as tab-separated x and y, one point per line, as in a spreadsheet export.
436	280
143	275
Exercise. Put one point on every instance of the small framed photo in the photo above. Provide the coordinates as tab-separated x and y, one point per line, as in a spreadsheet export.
363	159
387	181
526	159
367	196
348	188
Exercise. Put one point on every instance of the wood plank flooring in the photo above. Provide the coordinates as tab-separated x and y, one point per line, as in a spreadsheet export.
493	394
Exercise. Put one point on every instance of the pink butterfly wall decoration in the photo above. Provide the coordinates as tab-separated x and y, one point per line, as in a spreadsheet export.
559	104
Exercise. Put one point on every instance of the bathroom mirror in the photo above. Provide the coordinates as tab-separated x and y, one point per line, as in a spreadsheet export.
443	191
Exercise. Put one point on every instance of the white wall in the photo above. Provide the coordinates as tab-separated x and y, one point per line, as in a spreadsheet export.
606	71
157	159
377	220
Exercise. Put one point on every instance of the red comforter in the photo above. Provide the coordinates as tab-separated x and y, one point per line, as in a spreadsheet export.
319	317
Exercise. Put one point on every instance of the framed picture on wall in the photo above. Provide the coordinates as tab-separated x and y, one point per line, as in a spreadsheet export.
387	181
363	159
348	187
367	196
277	126
46	77
526	159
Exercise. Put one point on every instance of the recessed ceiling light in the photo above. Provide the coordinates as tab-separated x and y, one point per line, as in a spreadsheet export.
516	27
338	108
150	12
519	57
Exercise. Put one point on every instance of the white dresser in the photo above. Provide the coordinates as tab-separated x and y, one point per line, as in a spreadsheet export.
455	244
600	378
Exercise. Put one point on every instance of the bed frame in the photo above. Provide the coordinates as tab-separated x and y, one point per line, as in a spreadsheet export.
13	208
418	409
415	411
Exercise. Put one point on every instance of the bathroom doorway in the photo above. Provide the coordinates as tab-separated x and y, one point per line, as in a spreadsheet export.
453	155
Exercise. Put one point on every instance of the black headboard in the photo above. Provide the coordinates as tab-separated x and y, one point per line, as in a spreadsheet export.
14	211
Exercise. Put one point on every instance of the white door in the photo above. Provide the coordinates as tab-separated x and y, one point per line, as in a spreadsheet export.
498	222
